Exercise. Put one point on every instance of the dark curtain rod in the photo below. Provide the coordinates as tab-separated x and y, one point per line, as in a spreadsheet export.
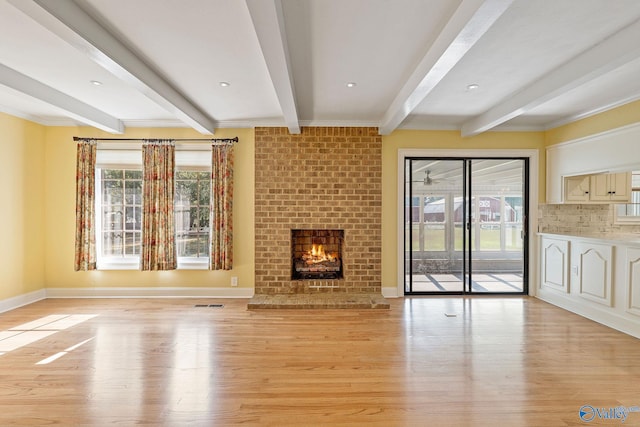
222	140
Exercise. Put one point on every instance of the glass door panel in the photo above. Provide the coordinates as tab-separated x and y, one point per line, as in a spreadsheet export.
434	213
497	225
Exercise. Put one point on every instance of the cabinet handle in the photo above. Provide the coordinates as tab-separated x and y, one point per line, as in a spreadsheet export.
586	192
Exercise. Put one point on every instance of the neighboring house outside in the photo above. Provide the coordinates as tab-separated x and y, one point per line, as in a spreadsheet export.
488	210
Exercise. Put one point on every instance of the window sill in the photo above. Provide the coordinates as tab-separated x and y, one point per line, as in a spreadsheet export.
618	221
193	263
119	264
134	264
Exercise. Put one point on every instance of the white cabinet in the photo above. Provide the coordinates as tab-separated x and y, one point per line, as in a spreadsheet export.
593	264
614	150
632	266
576	189
599	188
610	187
554	259
598	278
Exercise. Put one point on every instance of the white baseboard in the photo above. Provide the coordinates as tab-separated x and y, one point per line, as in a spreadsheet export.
623	323
390	292
168	292
20	300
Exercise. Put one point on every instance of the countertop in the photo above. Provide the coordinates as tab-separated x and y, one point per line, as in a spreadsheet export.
600	237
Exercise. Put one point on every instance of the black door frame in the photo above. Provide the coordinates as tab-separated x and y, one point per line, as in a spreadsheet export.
467	186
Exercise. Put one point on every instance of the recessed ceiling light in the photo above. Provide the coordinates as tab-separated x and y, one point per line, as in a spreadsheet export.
473	86
225	84
96	83
351	84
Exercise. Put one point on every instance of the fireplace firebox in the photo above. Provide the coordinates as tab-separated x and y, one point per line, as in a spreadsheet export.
316	254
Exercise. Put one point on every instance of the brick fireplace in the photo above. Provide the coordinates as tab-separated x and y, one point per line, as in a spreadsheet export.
322	179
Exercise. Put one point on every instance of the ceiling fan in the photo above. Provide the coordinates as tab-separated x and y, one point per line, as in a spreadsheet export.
428	180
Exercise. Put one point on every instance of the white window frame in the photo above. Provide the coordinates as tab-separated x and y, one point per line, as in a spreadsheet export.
118	155
635	195
125	262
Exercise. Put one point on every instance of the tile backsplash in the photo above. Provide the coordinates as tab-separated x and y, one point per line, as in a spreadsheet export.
582	219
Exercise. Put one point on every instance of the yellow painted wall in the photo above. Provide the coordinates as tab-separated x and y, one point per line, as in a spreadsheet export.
22	164
618	117
38	162
60	152
407	139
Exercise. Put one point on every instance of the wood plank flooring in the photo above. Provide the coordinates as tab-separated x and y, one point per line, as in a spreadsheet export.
427	361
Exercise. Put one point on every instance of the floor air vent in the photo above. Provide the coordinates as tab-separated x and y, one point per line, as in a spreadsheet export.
210	305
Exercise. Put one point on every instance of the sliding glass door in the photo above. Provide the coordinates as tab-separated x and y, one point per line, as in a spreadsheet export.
434	227
465	225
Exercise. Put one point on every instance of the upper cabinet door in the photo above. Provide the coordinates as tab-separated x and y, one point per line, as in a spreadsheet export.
620	184
600	188
614	187
576	189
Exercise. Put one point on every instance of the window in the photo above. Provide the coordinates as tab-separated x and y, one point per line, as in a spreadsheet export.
629	213
119	207
192	196
119	214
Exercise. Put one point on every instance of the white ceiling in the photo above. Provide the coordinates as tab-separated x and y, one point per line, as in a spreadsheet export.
538	64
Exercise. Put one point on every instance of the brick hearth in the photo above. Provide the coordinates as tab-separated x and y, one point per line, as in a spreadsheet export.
323	178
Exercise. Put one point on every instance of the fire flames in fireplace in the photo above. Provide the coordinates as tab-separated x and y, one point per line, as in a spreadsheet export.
316	254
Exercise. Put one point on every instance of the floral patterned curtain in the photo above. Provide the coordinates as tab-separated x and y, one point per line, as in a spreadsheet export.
158	228
85	252
222	207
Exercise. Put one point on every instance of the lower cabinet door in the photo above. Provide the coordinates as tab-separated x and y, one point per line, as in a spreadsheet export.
594	268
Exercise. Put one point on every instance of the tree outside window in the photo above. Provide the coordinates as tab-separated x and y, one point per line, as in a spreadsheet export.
192	198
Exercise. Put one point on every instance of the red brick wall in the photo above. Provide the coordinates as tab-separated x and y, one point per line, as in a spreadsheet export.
324	178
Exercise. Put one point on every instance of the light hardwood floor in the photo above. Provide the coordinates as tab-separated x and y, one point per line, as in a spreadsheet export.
428	361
